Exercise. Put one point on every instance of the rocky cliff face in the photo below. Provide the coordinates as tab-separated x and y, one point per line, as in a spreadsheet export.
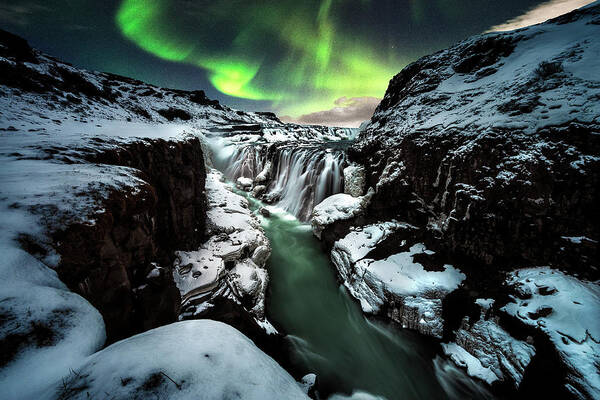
118	251
492	145
490	151
121	263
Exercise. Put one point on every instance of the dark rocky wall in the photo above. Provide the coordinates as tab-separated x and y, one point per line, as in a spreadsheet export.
108	262
458	197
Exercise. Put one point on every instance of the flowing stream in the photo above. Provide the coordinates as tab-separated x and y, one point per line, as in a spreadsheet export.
332	338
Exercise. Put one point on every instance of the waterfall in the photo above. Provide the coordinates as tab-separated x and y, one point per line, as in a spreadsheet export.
293	177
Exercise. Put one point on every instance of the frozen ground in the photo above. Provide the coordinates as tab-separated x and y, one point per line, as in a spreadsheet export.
232	261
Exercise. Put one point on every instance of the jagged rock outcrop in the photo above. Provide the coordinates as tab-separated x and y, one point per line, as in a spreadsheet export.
490	150
564	310
230	265
488	351
396	285
336	208
494	150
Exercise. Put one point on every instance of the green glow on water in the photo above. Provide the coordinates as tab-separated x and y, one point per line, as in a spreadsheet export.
331	336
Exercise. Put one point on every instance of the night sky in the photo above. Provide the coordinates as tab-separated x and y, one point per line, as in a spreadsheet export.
294	57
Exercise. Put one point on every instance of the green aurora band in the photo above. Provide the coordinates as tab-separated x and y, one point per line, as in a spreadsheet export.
291	53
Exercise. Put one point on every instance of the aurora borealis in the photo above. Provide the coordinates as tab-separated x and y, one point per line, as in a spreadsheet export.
294	54
297	58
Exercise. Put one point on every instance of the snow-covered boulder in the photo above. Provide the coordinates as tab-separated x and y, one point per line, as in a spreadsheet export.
355	180
244	183
487	351
411	294
46	329
185	360
308	384
339	207
565	309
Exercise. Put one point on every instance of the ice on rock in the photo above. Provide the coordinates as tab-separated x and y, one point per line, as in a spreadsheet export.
265	174
308	383
355	177
244	183
184	360
233	257
413	294
464	359
338	207
566	310
488	351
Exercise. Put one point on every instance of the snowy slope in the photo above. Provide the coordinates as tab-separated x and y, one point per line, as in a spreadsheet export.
566	310
512	80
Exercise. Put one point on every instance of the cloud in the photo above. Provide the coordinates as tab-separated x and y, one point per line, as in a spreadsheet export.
348	113
20	14
541	13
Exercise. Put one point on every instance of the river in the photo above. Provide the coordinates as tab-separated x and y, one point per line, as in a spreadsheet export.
330	335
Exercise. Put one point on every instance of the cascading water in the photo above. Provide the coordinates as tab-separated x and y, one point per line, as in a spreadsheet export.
293	177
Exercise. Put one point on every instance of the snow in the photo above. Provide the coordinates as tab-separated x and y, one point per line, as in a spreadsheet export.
54	327
185	360
357	395
485	304
578	239
235	237
244	182
360	241
308	382
572	324
413	295
456	383
488	351
403	276
338	207
474	367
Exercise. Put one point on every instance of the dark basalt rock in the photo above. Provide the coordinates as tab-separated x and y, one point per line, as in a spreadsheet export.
482	53
175	113
199	97
16	48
